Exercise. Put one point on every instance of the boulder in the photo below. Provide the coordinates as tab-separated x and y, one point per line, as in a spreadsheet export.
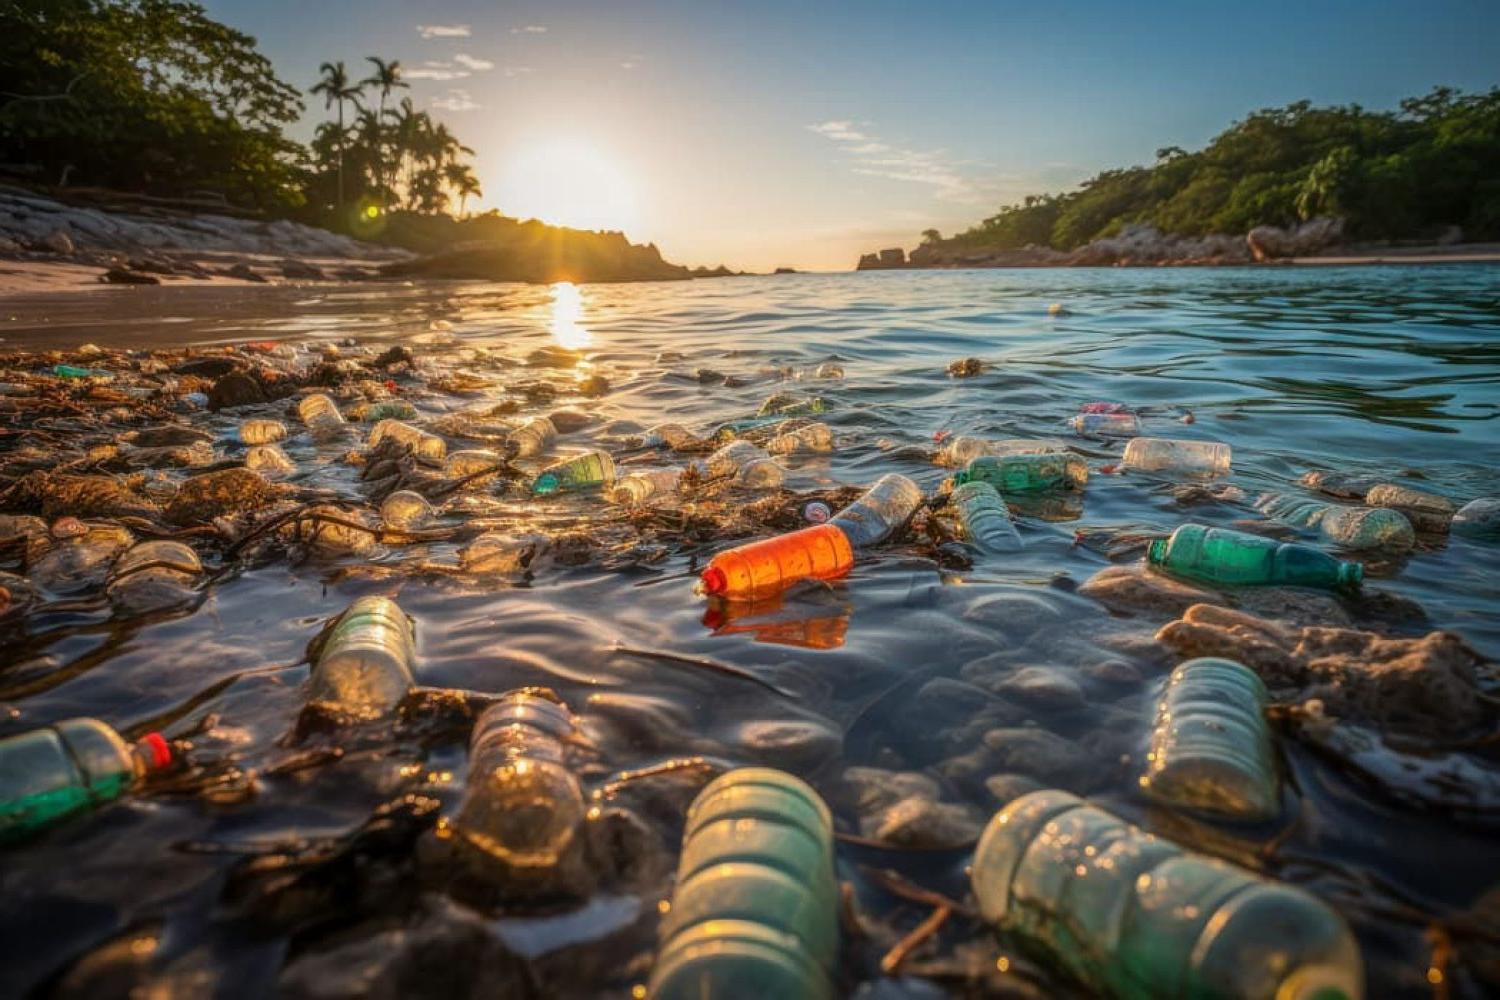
1273	243
235	389
120	276
58	242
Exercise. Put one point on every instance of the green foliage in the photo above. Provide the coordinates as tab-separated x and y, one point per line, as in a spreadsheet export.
1389	175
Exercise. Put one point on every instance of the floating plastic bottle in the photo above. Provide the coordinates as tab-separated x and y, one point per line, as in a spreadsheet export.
729	430
1013	474
469	461
154	574
985	518
760	570
1347	485
1211	749
502	553
322	417
1478	518
828	369
522	811
589	471
1205	458
1107	424
261	431
960	451
426	447
755	909
816	438
1425	511
672	436
533	437
385	409
641	486
1222	556
73	371
790	404
54	772
746	464
1350	527
1136	917
366	659
269	460
405	510
882	509
80	560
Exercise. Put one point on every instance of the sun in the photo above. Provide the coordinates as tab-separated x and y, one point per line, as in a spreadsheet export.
568	182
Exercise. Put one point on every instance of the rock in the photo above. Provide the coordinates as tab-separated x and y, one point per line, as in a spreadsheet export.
1114	671
1044	687
919	822
893	257
1425	511
213	366
235	389
797	745
59	494
1344	485
216	494
58	242
594	386
1019	613
1008	787
166	436
299	270
965	368
120	276
243	272
1297	607
1135	589
398	355
1038	754
568	421
1272	243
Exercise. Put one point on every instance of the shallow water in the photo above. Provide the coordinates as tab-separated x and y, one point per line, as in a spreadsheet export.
1392	370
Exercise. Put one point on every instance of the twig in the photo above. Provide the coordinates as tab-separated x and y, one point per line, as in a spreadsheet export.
926	929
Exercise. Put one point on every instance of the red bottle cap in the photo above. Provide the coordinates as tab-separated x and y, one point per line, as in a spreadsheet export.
714	580
157	751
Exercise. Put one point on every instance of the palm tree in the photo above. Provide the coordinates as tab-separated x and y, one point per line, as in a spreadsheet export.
386	78
371	133
407	127
336	89
460	177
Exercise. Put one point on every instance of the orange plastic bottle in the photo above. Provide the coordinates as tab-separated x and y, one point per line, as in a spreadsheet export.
758	570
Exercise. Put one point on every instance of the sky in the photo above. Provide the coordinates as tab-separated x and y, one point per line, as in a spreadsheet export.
763	133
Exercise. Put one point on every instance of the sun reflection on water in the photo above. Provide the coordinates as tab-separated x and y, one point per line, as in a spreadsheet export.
567	313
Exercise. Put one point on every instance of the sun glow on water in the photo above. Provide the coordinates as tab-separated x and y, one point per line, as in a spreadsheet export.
567	317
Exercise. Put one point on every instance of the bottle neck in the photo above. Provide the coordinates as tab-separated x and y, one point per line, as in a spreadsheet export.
1351	575
1157	552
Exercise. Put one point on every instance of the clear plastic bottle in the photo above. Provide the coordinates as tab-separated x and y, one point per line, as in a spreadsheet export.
332	530
755	908
985	518
886	506
405	510
502	553
154	574
732	429
589	471
468	461
641	486
386	409
269	460
1425	511
1107	424
366	658
758	571
1211	749
1223	556
522	811
816	438
747	464
960	451
1478	518
322	417
1205	458
1013	474
79	561
54	772
1350	527
262	431
426	447
533	437
1135	917
672	436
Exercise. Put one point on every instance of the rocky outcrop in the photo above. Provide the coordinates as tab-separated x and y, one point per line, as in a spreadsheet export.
893	257
1312	237
572	256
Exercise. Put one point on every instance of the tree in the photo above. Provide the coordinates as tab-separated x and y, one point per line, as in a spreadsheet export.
460	177
336	89
931	236
385	78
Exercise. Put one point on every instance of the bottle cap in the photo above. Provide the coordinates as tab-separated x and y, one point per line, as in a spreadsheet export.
714	580
156	751
816	512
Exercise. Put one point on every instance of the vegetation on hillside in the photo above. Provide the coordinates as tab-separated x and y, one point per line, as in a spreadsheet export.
1411	173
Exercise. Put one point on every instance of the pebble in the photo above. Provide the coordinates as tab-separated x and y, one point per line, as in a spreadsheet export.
797	745
1043	687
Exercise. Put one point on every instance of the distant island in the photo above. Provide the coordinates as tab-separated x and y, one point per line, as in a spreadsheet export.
1285	183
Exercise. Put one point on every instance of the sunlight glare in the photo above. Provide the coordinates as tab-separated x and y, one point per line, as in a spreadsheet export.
568	183
567	313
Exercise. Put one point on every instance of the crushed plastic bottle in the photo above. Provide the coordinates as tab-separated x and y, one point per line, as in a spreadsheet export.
385	409
639	487
960	451
533	437
882	509
59	770
79	560
366	658
1223	556
469	461
405	510
589	471
1350	527
1132	916
746	464
791	404
331	530
816	438
500	553
260	431
1211	749
1478	518
731	429
985	518
155	574
755	909
760	570
1203	458
322	417
522	811
1112	424
426	447
1016	474
269	460
672	436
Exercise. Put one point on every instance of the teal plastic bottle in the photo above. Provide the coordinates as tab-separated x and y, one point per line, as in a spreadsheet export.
590	471
1222	556
755	911
985	518
1025	473
1135	917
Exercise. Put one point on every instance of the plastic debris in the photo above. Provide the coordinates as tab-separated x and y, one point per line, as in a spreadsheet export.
1206	458
1222	556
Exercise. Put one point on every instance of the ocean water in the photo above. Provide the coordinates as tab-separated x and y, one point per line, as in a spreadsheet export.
1393	371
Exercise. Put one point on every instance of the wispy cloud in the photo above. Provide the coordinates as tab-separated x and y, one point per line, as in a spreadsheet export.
631	62
838	131
443	30
530	29
457	100
513	71
434	70
473	62
870	156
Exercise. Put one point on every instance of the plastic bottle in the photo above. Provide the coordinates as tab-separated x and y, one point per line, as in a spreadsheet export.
532	438
50	773
1211	749
1222	556
468	461
817	438
73	371
884	507
260	431
424	446
405	510
985	518
1478	518
522	811
1133	916
960	451
641	486
1011	474
386	409
732	429
828	369
1350	527
154	574
502	553
1208	458
672	436
746	464
1425	511
591	470
755	908
322	417
790	404
1107	424
270	460
760	570
366	659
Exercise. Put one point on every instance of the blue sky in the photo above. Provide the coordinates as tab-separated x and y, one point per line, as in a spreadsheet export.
771	133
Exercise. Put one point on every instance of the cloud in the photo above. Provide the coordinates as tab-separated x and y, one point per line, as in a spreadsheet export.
951	178
457	100
530	29
838	131
443	30
632	62
513	71
432	70
473	62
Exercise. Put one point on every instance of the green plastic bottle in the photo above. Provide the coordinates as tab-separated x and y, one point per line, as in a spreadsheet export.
985	518
791	404
51	773
755	911
386	409
1135	917
1222	556
1025	473
589	471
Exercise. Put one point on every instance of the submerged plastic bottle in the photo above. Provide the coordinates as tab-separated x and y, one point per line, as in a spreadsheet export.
755	909
262	431
882	509
154	574
1206	458
1425	511
405	510
1211	749
960	451
1012	474
1110	424
667	436
468	461
532	438
269	460
734	428
985	518
589	471
322	417
760	570
640	486
386	409
1478	518
790	404
1350	527
1132	916
366	659
424	446
747	464
50	773
817	438
1223	556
